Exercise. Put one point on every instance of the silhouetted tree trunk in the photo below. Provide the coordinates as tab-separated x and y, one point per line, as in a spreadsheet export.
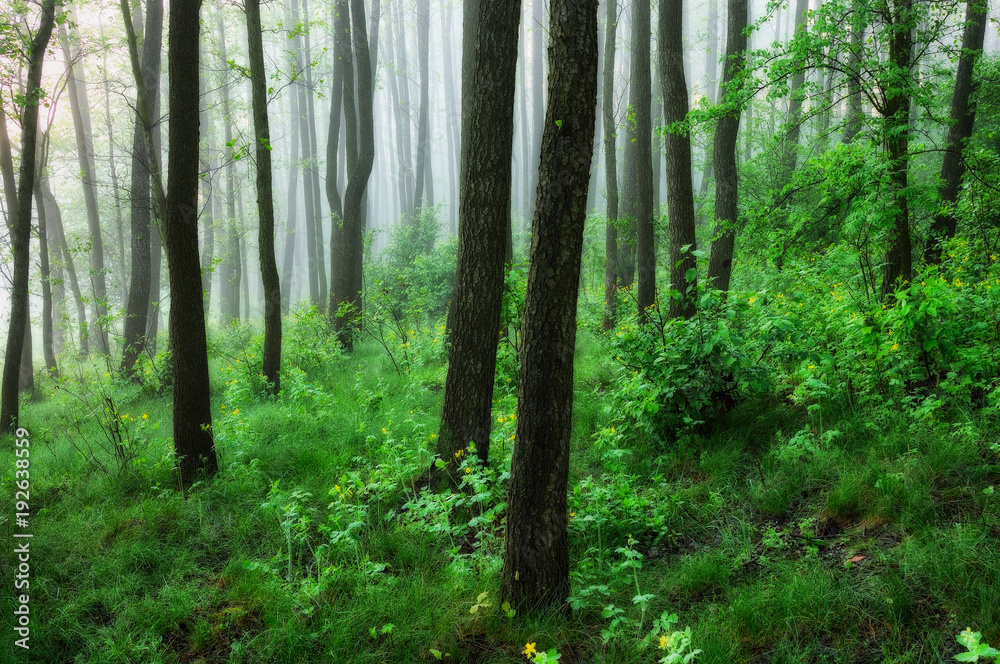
963	116
80	106
536	560
720	264
145	162
896	113
20	225
680	196
193	443
348	283
611	277
265	201
484	223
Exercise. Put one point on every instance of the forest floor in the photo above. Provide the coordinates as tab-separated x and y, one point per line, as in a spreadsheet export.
316	543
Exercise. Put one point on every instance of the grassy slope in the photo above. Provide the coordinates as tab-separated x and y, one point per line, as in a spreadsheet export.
753	556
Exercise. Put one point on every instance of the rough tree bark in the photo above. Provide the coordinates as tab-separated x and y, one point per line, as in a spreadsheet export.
720	263
484	220
536	561
194	446
680	196
640	99
20	223
963	117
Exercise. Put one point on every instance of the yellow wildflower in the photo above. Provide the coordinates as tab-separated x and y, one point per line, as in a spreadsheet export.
529	650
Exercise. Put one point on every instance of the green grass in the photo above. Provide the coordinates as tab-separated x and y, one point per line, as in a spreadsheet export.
878	548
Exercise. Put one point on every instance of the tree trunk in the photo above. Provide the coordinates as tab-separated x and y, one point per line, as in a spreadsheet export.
711	81
963	116
145	163
404	110
854	99
80	106
312	171
348	283
194	447
20	226
640	99
797	95
53	216
454	123
423	128
896	112
720	264
342	36
680	196
538	26
291	234
484	222
265	201
536	561
229	272
612	279
208	206
43	249
116	192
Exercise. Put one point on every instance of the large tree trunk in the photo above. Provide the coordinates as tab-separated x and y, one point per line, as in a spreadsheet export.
680	196
348	283
720	263
145	166
194	446
612	279
640	99
896	112
963	117
20	226
80	106
484	221
536	561
265	201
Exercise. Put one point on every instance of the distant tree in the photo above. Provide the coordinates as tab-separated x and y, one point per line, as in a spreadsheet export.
145	163
611	276
265	202
423	129
342	37
536	561
484	220
20	220
231	267
193	443
641	135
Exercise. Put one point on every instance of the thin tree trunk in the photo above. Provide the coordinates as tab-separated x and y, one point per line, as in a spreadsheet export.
423	129
348	284
404	110
453	121
53	216
20	226
145	169
484	223
342	48
43	247
80	107
641	103
116	193
229	274
538	27
797	95
208	207
720	264
312	171
612	278
963	117
291	234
